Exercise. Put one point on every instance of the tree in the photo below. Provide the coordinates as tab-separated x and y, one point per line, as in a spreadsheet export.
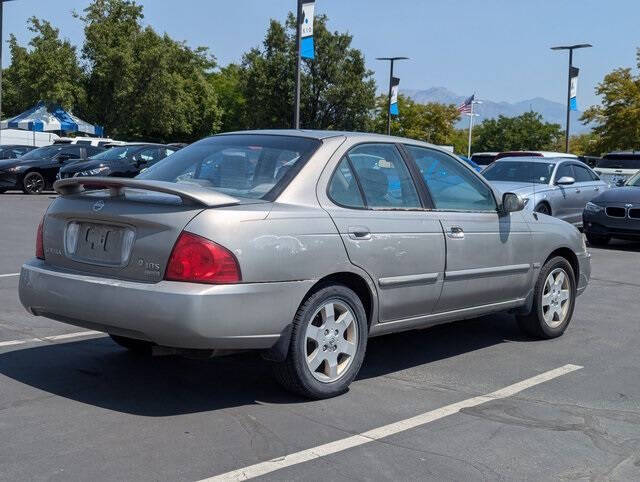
431	122
337	90
142	85
617	120
47	70
227	85
587	144
525	132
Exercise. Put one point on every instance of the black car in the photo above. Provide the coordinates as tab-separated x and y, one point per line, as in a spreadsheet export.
119	161
13	151
36	170
614	214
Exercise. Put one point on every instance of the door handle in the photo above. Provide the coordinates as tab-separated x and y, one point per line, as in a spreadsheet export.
359	232
455	232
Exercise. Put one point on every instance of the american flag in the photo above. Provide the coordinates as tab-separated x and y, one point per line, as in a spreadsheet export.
465	107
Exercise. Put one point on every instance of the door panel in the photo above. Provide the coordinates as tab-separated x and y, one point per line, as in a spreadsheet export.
489	259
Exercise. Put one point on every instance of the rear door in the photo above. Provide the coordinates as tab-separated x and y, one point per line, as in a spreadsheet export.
589	186
488	255
374	202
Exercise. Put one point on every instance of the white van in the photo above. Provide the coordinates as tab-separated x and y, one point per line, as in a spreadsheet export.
27	138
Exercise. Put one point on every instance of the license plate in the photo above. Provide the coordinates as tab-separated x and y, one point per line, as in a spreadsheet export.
99	243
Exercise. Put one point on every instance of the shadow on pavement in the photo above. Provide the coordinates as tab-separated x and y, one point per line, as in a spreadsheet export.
99	373
619	245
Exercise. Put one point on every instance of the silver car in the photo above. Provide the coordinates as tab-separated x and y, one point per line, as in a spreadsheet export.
558	187
300	244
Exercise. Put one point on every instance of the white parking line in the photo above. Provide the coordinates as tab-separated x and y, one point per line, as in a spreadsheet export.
387	430
45	339
8	275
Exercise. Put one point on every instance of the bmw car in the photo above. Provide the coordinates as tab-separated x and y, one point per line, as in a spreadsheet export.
614	214
301	245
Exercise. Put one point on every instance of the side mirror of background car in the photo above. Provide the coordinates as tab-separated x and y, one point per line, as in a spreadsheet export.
511	203
565	181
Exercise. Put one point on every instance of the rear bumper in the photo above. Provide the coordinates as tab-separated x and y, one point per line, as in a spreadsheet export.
182	315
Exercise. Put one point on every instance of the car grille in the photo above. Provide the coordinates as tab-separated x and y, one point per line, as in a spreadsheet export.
634	213
614	212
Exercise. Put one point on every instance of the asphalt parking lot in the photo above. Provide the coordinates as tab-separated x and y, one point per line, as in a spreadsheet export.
469	400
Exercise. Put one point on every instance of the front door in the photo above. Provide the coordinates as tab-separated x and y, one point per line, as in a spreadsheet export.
489	255
375	205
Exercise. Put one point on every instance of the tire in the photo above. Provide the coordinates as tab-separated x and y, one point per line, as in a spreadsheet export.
543	208
139	347
33	183
550	314
597	239
335	349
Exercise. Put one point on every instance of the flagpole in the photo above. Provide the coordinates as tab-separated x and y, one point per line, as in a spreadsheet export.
470	129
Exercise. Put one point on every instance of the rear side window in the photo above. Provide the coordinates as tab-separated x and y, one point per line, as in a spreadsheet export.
582	174
451	185
255	166
619	161
383	177
343	188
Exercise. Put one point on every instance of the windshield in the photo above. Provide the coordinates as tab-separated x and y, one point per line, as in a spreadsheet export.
43	152
519	171
115	153
243	165
613	161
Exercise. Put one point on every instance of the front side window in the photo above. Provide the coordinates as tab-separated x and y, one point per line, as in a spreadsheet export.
451	185
383	177
244	165
564	170
582	174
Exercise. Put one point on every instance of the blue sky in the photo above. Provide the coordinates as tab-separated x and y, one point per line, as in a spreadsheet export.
497	48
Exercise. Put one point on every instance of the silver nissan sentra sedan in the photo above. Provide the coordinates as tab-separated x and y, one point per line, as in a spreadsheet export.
300	244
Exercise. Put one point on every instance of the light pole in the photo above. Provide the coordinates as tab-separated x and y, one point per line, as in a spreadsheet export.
1	45
391	61
570	48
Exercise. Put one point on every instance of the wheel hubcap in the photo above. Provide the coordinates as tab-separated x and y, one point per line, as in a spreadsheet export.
331	341
556	298
34	183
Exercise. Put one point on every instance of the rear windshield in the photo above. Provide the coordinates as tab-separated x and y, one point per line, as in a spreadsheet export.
483	159
613	161
519	171
244	165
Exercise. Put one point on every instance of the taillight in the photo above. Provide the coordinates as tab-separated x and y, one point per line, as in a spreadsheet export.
39	240
199	260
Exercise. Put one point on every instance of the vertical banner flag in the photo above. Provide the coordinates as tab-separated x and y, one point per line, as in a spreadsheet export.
393	106
306	30
573	102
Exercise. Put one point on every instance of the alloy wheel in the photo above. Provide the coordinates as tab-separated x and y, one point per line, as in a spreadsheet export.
33	183
556	298
331	341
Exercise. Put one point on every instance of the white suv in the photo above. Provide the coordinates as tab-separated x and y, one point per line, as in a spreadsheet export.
616	168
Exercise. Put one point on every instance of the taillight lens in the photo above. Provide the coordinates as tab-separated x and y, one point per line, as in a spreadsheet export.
199	260
40	240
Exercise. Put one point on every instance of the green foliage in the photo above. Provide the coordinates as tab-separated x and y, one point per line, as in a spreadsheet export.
617	120
431	122
524	132
337	90
48	70
142	85
227	85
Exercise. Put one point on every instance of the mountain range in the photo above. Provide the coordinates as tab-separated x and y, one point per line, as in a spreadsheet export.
551	111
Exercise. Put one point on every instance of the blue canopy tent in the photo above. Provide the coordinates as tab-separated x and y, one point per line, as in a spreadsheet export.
50	117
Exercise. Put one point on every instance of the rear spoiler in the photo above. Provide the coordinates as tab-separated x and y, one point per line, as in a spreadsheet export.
116	185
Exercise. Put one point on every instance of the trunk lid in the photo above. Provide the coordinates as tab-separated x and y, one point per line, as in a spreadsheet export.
124	230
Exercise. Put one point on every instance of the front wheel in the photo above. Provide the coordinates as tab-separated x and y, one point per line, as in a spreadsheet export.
33	183
553	302
328	343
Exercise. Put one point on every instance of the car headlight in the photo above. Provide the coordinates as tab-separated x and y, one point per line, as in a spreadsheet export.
16	168
92	172
593	208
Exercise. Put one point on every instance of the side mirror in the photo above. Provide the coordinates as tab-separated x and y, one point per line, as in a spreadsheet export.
565	181
511	203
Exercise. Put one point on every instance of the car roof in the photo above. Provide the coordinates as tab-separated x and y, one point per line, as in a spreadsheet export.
327	134
546	160
485	154
623	153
